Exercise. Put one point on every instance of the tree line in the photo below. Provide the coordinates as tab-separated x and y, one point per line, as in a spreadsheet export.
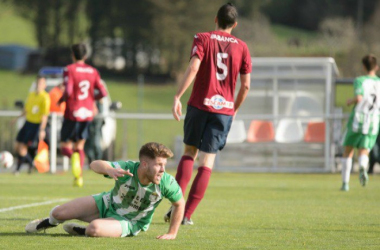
154	37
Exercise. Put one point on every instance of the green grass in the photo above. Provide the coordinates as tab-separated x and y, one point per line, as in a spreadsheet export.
240	211
14	28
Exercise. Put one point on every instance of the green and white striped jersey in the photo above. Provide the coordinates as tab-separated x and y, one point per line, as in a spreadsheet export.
136	202
364	116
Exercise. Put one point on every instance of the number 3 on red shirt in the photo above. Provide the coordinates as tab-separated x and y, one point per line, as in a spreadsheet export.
84	86
221	66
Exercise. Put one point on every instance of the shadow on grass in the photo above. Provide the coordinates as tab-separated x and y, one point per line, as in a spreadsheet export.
33	235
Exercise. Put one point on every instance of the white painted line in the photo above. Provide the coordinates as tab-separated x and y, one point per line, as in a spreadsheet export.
31	205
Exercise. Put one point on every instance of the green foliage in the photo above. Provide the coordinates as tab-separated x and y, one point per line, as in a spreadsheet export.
239	211
285	33
56	23
14	28
307	14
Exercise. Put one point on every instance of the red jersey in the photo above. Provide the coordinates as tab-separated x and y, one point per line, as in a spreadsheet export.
223	57
80	81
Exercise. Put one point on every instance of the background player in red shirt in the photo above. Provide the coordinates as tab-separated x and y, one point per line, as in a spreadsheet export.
80	82
217	58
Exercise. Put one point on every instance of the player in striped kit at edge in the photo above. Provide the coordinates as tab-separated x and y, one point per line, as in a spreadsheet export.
128	208
363	124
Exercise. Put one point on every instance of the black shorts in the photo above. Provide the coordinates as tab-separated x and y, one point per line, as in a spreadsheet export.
206	131
28	134
74	131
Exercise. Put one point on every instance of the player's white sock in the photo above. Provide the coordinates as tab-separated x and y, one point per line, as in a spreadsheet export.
346	169
52	220
363	161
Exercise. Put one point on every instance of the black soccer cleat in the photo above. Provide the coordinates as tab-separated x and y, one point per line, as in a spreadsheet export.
38	225
75	229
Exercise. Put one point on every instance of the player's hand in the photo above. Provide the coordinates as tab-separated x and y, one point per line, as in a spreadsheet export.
117	172
166	237
177	109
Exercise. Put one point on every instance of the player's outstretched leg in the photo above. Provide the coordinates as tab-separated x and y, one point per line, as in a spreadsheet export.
75	229
184	173
196	194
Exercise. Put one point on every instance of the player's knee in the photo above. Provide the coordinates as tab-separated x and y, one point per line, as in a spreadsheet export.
93	229
58	213
191	151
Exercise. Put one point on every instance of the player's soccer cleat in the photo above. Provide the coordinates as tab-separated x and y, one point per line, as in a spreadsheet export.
75	165
78	182
75	229
38	225
168	214
363	177
345	187
187	221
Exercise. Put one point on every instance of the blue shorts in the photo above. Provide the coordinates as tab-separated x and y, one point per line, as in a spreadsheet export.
206	131
28	134
74	131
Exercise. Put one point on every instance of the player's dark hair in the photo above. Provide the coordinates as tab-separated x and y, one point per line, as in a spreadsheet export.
369	62
154	149
227	16
79	51
40	77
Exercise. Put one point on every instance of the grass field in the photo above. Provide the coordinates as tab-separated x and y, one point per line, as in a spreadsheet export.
240	211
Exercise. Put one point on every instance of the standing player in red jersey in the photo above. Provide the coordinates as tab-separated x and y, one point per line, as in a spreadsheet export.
80	82
217	58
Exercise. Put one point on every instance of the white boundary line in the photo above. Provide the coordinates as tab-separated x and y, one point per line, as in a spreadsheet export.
31	205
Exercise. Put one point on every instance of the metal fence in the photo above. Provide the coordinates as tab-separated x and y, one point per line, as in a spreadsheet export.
133	130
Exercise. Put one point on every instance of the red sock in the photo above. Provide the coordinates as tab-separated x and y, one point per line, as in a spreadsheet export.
82	156
184	172
198	190
66	151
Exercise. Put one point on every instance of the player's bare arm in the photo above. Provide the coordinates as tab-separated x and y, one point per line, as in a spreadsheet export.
187	79
42	132
103	167
245	80
175	221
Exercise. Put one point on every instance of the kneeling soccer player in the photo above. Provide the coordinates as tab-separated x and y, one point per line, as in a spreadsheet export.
128	208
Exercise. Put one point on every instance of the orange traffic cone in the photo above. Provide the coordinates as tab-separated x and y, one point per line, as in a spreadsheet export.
41	161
